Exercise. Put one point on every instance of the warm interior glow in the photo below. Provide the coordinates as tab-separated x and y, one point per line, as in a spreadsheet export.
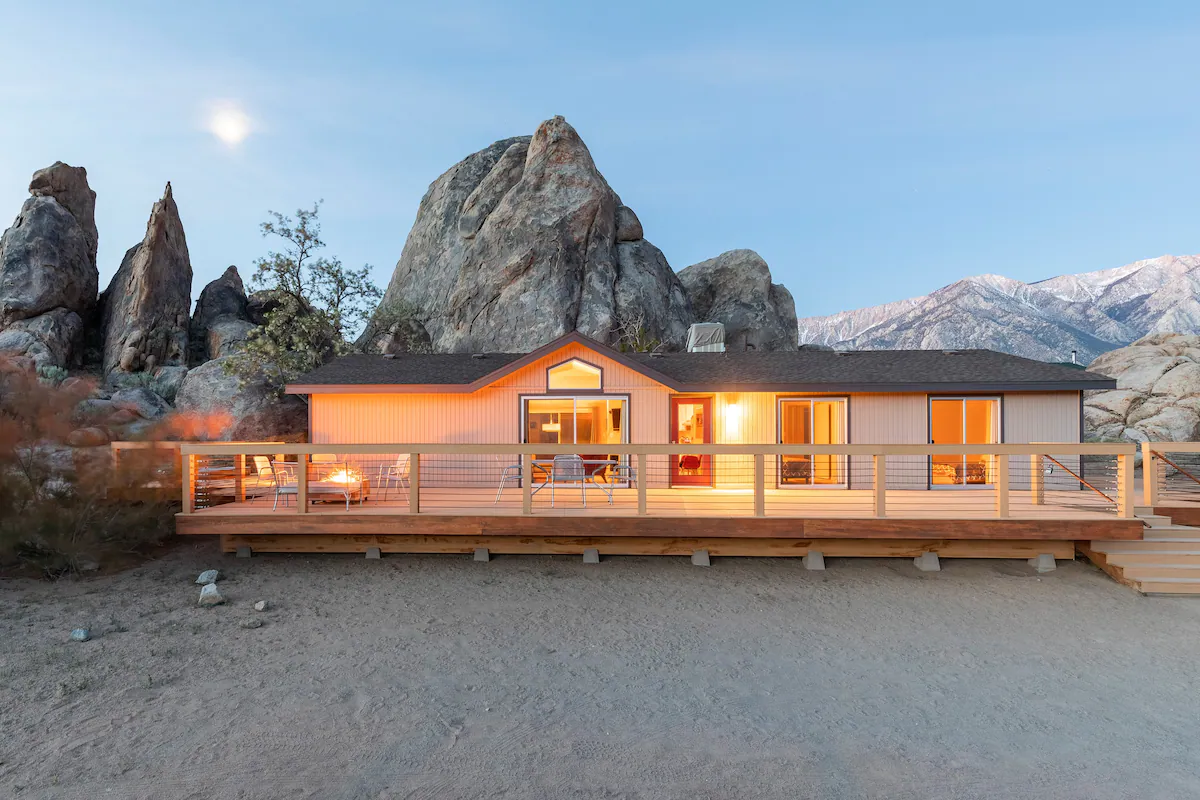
963	421
573	374
733	422
812	421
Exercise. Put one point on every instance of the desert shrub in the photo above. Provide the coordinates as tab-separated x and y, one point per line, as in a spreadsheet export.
51	374
59	508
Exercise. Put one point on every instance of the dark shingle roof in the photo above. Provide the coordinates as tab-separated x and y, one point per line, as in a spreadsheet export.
427	369
803	370
869	369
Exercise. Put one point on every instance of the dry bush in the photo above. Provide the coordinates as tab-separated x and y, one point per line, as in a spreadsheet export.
61	509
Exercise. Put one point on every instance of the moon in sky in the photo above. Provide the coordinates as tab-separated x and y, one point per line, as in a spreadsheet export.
229	123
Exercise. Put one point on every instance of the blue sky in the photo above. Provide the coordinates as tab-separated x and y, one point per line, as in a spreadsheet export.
868	150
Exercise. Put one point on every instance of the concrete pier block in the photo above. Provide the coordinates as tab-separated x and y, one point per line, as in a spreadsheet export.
927	562
1043	562
591	556
700	558
243	552
814	560
482	554
373	552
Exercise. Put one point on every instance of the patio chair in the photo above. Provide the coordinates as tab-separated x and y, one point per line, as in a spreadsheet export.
397	475
568	470
512	472
284	476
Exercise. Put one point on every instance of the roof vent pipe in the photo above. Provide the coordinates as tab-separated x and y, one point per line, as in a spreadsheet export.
706	337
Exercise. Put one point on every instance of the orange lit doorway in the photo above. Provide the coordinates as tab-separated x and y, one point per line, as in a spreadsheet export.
691	423
963	420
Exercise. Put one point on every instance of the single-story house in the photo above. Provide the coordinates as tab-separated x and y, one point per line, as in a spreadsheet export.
575	390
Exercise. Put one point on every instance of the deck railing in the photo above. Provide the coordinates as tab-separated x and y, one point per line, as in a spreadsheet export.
1170	472
861	480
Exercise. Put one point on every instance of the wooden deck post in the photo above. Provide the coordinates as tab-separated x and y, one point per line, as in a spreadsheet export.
527	484
414	483
760	480
641	483
239	478
880	485
1002	486
302	484
1037	479
189	487
1149	476
1125	486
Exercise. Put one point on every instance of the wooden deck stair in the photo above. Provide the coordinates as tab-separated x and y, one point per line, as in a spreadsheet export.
1165	561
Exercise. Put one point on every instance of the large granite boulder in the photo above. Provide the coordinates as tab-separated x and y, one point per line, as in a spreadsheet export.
69	186
221	320
518	244
45	263
240	409
735	289
1157	395
48	276
51	339
145	319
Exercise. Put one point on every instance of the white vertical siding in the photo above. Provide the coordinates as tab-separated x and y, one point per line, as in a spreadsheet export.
1042	417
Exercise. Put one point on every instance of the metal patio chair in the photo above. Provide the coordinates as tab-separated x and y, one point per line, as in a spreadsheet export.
396	475
511	472
284	476
569	470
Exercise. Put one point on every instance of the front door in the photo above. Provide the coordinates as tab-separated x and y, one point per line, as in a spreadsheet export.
691	423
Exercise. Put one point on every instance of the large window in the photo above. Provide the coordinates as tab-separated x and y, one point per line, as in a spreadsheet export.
812	420
573	374
575	420
963	420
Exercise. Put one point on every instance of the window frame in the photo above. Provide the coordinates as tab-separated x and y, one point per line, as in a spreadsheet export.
844	460
572	360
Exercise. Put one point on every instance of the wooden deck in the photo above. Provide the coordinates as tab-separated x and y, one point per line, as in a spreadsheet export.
1000	519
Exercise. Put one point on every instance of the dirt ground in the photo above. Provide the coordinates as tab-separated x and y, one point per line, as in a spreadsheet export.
439	677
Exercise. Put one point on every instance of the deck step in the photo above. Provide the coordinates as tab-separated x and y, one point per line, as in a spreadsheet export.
1142	545
1129	558
1170	586
1155	520
1172	532
1145	572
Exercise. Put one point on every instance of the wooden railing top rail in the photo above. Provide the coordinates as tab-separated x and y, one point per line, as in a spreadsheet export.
1053	448
1171	447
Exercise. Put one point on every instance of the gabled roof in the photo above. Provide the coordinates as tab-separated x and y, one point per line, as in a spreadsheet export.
791	371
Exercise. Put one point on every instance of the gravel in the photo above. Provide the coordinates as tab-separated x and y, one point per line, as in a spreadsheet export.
429	676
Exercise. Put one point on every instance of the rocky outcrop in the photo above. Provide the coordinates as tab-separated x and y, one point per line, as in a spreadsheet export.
69	186
145	319
221	320
51	339
242	409
519	243
48	275
735	289
1157	395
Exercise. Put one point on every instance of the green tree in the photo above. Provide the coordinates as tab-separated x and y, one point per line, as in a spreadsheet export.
315	303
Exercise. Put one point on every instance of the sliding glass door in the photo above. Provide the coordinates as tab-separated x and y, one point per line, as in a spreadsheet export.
812	420
963	420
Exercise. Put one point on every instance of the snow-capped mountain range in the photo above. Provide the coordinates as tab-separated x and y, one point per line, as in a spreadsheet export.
1090	313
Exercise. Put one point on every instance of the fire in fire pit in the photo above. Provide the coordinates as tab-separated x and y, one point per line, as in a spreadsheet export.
344	476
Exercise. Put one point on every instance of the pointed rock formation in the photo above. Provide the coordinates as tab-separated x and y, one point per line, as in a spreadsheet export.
145	321
221	320
735	288
518	244
48	277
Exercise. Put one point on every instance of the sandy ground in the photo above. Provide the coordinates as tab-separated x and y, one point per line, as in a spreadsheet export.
639	678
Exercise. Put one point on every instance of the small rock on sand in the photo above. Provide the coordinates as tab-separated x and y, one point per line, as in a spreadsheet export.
211	596
208	576
251	623
261	605
80	635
